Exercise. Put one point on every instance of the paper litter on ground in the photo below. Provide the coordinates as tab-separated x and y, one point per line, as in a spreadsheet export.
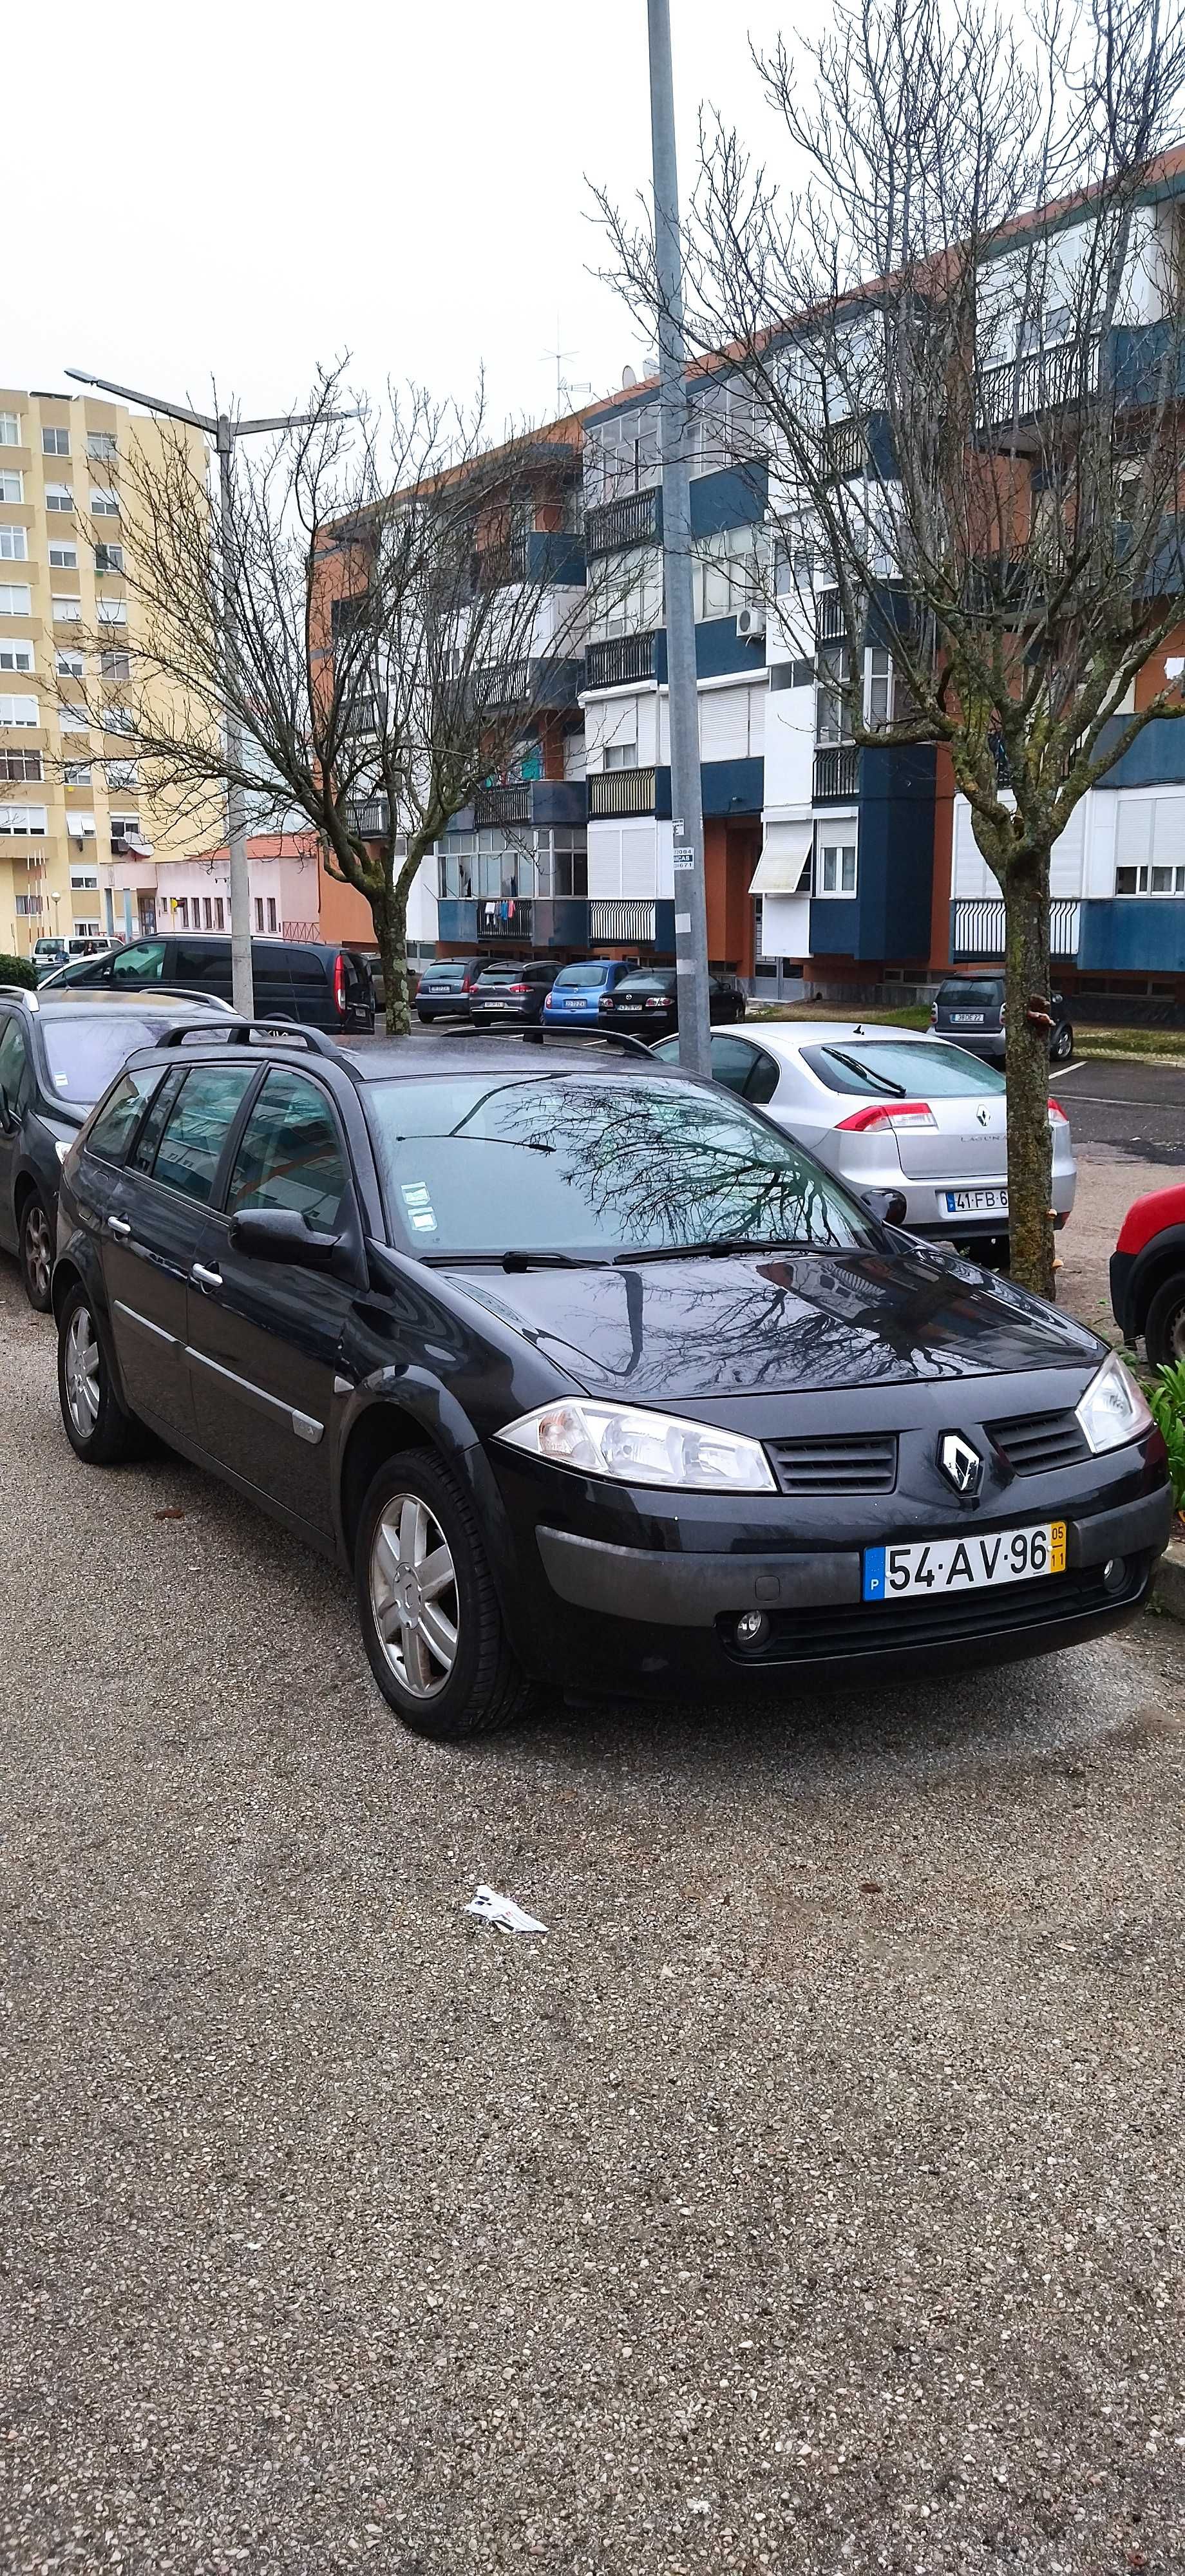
489	1907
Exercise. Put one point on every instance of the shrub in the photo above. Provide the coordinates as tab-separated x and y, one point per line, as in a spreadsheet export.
1167	1399
17	970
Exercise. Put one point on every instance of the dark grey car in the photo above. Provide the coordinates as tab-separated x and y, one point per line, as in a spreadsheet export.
58	1052
969	1009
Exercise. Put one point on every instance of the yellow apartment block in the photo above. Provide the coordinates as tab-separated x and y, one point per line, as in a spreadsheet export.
70	796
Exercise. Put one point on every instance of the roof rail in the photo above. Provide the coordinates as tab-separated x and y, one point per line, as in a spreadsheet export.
241	1032
19	993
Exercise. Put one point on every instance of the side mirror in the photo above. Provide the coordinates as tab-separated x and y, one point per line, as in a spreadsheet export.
280	1234
890	1207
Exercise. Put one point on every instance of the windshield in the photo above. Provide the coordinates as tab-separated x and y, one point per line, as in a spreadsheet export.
969	997
85	1052
443	975
923	1069
591	974
572	1163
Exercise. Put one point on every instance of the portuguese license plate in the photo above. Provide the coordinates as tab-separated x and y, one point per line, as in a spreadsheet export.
928	1569
966	1019
975	1202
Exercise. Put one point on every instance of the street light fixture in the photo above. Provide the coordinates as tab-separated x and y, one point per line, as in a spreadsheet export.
223	428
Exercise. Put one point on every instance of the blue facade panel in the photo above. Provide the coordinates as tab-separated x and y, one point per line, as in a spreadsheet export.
1155	759
557	801
553	555
889	917
1137	935
728	787
733	498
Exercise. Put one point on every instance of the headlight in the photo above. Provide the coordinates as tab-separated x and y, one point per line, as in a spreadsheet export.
637	1447
1112	1409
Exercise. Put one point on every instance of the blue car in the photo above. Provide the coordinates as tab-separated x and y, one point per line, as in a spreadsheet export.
575	996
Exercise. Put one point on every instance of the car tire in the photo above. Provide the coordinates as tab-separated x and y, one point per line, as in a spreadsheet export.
97	1427
1164	1323
36	1251
1063	1044
453	1677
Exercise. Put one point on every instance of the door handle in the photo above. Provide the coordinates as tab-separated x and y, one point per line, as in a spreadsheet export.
118	1225
206	1278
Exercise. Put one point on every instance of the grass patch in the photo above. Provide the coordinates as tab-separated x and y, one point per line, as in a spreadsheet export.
914	1015
1164	1046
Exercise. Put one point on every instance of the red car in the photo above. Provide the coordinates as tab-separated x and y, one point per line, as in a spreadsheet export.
1148	1274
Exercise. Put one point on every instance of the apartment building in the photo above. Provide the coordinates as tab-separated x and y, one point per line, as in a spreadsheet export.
71	796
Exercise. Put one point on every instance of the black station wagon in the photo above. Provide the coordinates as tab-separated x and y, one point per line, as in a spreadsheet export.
587	1371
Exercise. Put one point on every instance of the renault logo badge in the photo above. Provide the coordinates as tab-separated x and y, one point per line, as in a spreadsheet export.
982	1116
961	1465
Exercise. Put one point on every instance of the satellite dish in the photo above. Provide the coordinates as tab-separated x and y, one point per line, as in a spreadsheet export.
629	378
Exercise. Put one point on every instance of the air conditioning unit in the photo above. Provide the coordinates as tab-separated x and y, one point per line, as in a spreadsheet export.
750	623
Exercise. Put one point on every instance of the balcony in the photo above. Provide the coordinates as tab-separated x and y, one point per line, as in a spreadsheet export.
1055	379
575	922
831	624
626	921
634	520
531	683
539	804
837	774
613	793
977	929
618	659
845	449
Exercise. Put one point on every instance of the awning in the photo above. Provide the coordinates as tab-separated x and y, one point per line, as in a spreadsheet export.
785	852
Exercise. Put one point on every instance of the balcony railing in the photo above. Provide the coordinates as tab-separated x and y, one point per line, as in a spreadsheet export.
831	623
977	929
845	449
837	773
621	921
618	659
1047	380
511	804
506	917
634	520
616	792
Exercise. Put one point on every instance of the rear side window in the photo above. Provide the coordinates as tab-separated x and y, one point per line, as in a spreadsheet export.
207	966
16	1077
303	966
290	1155
143	1153
190	1149
117	1120
143	964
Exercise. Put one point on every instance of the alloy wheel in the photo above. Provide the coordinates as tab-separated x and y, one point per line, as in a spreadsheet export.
81	1371
38	1251
413	1595
1175	1333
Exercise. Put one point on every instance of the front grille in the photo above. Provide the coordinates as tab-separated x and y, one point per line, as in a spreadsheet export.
1037	1441
825	1636
860	1462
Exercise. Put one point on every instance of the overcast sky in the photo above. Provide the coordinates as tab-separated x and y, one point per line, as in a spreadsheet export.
247	189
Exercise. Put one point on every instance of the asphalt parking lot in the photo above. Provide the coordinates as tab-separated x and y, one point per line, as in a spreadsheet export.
1126	1107
809	2199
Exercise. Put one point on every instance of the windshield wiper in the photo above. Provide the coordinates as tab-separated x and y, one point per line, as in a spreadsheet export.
516	1260
717	1249
865	1071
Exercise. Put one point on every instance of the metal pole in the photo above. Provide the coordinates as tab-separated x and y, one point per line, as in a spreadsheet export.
242	981
691	915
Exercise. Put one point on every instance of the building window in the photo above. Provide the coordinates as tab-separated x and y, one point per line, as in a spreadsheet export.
16	599
111	612
20	764
29	906
219	913
14	545
10	429
104	505
124	827
81	827
85	877
117	720
12	485
55	442
259	912
880	686
1150	880
271	912
625	593
183	911
65	608
59	496
122	774
19	711
108	558
63	557
115	666
68	663
23	821
102	446
836	872
726	573
76	773
833	674
87	928
15	654
74	720
621	755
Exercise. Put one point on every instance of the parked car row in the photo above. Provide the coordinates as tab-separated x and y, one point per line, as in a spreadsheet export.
523	990
724	1423
319	982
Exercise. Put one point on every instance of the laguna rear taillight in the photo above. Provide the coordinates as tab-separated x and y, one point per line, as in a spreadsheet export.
339	984
1056	1111
898	1114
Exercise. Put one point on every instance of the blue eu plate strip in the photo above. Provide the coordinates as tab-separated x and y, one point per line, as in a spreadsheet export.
874	1574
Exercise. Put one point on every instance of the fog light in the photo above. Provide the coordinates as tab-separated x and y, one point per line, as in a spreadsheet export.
1114	1574
752	1628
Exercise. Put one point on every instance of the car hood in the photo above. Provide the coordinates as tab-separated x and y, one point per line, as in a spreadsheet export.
788	1323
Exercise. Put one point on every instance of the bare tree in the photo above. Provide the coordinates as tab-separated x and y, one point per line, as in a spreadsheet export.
402	625
963	331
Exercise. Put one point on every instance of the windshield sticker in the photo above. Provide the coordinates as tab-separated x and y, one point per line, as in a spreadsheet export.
420	1215
61	1080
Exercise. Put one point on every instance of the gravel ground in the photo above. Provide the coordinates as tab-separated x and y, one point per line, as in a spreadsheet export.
810	2199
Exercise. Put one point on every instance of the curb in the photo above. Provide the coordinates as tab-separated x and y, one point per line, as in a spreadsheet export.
1169	1581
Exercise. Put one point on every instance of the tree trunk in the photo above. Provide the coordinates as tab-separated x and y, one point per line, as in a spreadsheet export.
1030	1145
390	921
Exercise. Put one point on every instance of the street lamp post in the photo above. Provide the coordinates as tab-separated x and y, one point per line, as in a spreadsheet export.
691	917
223	428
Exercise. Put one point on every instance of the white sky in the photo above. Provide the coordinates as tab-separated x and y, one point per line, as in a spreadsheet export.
243	190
